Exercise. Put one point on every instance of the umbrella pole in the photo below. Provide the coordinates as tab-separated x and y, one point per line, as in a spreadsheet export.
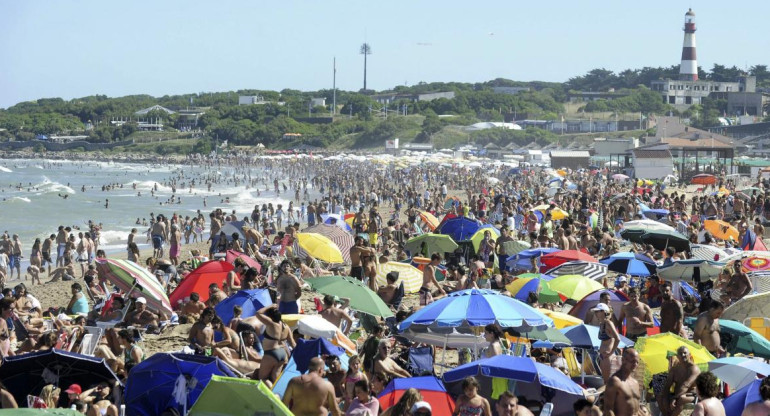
584	353
443	354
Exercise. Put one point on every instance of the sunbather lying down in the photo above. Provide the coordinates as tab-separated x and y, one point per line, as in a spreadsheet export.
245	362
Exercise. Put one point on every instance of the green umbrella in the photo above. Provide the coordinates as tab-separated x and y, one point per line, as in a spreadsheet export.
225	396
361	297
434	243
738	338
661	239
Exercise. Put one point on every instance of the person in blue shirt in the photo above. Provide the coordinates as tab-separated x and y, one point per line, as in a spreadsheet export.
78	303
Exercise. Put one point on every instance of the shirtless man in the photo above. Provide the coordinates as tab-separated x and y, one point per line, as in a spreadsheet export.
682	378
759	408
738	286
623	393
192	309
311	395
638	316
508	405
158	233
706	330
61	242
201	335
428	279
216	226
46	252
337	315
671	312
356	252
252	236
389	290
215	295
141	316
384	364
709	405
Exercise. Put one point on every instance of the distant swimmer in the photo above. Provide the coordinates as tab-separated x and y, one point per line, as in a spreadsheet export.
106	203
65	196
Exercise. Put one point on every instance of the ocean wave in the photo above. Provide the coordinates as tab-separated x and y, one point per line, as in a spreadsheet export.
20	198
50	186
112	236
4	169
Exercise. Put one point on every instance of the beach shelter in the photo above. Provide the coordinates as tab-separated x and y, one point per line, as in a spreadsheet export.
555	259
523	259
737	402
408	274
655	214
556	213
27	373
477	307
708	252
320	247
515	246
337	221
229	228
663	239
478	236
459	228
593	271
653	351
343	239
431	389
647	225
703	179
698	270
135	280
231	255
574	287
249	300
429	219
738	372
361	297
588	302
533	282
633	264
199	280
170	380
426	244
721	229
751	242
227	396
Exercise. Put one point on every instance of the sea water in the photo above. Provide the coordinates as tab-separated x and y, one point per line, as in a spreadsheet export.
33	203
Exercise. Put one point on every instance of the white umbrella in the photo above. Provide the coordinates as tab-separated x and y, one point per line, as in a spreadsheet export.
493	181
647	225
706	252
686	269
738	371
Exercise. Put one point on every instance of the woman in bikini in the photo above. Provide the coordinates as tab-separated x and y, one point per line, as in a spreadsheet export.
609	337
277	334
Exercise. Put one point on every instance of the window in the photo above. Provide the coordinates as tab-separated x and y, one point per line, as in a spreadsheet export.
688	100
672	99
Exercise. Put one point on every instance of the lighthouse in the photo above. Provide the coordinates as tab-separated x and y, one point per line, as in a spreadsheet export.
688	69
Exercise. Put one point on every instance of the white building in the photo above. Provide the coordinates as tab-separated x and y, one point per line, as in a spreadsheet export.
652	163
605	147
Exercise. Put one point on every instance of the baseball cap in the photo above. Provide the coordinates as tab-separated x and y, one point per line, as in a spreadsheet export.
601	307
141	299
421	405
74	389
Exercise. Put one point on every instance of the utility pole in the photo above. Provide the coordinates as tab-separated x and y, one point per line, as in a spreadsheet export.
334	88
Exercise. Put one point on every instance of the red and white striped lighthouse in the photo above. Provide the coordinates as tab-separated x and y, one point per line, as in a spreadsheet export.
688	69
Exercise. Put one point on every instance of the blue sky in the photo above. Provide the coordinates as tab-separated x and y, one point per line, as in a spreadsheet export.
70	48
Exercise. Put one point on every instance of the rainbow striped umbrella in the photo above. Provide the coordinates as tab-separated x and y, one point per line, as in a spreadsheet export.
129	277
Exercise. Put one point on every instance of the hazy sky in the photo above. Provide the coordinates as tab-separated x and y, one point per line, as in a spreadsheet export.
70	48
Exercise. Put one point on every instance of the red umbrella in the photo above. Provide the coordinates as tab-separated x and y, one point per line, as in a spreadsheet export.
704	179
199	280
431	389
555	259
232	255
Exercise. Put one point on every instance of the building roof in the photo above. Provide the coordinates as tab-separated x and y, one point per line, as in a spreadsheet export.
651	154
570	153
700	142
153	108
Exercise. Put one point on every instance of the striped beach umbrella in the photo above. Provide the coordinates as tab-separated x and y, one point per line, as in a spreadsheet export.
340	237
130	278
410	275
593	271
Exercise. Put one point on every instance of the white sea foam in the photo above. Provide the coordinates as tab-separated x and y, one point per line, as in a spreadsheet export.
21	198
4	169
112	236
50	186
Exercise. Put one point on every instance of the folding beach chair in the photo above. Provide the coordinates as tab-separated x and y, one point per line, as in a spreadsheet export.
420	361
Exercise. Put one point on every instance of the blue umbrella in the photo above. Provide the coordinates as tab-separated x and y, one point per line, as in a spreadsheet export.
27	373
522	259
459	228
587	336
250	300
736	402
170	380
630	263
336	219
478	307
655	214
516	368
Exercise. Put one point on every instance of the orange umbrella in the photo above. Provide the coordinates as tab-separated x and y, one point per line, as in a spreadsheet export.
704	179
721	229
429	219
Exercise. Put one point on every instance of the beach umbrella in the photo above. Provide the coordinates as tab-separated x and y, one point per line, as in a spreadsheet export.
755	264
708	252
738	338
655	214
630	263
619	177
134	279
361	297
459	228
429	219
593	271
478	236
319	247
703	179
199	280
233	227
647	225
228	396
444	337
341	238
721	229
574	287
749	306
749	192
523	286
653	351
337	221
588	302
681	290
738	372
28	373
522	260
663	239
450	201
170	380
554	259
561	320
632	235
249	300
431	389
232	255
556	213
477	307
699	270
587	336
515	246
739	400
410	275
548	336
433	243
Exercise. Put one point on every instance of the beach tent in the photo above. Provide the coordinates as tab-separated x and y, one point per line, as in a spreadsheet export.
431	389
170	380
227	396
234	227
249	300
199	280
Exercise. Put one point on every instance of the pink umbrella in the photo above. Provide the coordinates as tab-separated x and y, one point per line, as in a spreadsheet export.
232	255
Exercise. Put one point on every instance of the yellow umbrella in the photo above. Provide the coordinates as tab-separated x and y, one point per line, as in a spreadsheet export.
410	275
561	319
654	352
721	229
574	286
556	213
723	191
320	247
478	236
562	172
429	219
